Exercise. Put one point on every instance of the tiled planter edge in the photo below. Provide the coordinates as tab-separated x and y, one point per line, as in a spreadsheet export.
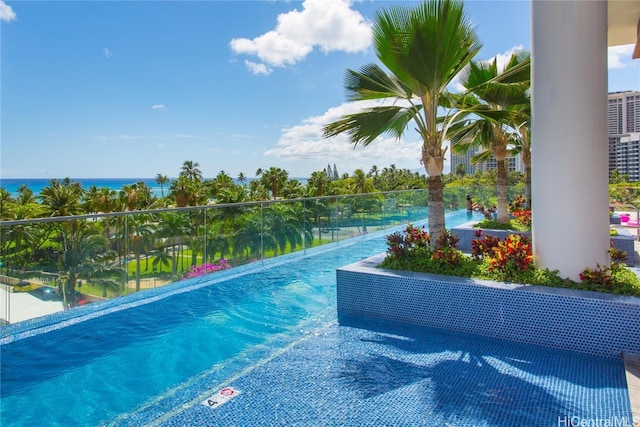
594	323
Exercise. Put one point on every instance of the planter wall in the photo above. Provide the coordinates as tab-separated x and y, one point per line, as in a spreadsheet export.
466	234
588	322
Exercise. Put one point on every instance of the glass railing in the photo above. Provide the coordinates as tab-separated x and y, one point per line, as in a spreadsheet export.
53	264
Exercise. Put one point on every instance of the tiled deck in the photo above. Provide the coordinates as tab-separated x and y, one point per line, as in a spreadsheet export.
632	368
372	373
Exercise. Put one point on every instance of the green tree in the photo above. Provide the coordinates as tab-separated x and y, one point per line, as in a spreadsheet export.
62	198
487	114
461	170
424	48
162	180
273	179
191	170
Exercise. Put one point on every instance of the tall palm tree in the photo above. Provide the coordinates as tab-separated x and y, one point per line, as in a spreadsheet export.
140	237
424	48
522	145
361	183
487	114
274	179
319	184
84	254
191	170
162	180
62	197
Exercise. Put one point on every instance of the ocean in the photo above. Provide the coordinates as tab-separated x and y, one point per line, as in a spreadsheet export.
37	184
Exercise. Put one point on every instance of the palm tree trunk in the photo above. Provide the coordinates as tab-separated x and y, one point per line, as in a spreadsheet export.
436	207
137	271
503	211
526	159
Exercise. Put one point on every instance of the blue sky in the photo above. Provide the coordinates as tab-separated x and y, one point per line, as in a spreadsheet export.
98	89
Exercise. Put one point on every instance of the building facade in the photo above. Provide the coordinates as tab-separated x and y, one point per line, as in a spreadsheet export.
513	163
623	114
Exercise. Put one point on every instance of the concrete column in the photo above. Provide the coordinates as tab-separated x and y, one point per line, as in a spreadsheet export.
569	135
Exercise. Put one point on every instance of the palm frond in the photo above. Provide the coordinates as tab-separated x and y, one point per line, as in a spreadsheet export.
481	157
365	126
426	46
371	82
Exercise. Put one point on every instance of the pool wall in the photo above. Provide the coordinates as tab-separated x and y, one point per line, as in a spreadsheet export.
593	323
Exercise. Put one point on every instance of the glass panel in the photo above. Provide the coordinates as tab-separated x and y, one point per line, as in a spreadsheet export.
284	228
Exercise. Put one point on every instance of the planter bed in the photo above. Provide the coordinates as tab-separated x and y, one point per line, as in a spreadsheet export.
466	234
587	322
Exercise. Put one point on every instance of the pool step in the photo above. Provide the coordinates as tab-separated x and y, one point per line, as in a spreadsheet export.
632	368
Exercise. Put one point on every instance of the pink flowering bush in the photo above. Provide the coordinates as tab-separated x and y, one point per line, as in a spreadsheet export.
201	270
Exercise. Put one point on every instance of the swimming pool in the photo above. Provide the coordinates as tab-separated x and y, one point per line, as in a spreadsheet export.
128	366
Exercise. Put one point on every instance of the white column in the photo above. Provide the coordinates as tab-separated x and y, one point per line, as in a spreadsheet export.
569	135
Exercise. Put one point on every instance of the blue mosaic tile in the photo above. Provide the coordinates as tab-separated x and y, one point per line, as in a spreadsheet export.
590	322
368	372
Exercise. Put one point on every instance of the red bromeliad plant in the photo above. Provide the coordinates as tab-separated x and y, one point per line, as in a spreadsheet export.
446	248
507	260
601	276
484	246
409	240
523	216
511	255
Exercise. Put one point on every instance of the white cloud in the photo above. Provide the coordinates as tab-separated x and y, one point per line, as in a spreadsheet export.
6	12
107	53
256	68
329	25
619	56
503	58
158	107
306	142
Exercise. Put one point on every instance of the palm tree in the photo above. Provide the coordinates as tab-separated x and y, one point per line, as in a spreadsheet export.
461	171
487	115
424	48
62	198
187	192
360	183
173	227
162	180
191	171
274	179
319	184
522	145
140	236
85	254
161	258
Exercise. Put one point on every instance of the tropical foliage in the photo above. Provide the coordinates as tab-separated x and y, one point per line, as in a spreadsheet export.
505	260
423	49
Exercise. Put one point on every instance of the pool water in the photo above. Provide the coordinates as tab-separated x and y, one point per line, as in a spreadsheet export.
137	363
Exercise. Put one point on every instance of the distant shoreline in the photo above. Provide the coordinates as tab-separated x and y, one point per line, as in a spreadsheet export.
37	184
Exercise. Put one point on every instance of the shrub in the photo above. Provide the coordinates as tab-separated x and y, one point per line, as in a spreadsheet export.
411	239
508	260
523	218
484	246
201	270
510	256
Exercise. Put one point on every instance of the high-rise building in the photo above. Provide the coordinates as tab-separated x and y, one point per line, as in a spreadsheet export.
513	163
623	113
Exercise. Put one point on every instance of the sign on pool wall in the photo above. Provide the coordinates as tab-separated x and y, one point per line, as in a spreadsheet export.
220	398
